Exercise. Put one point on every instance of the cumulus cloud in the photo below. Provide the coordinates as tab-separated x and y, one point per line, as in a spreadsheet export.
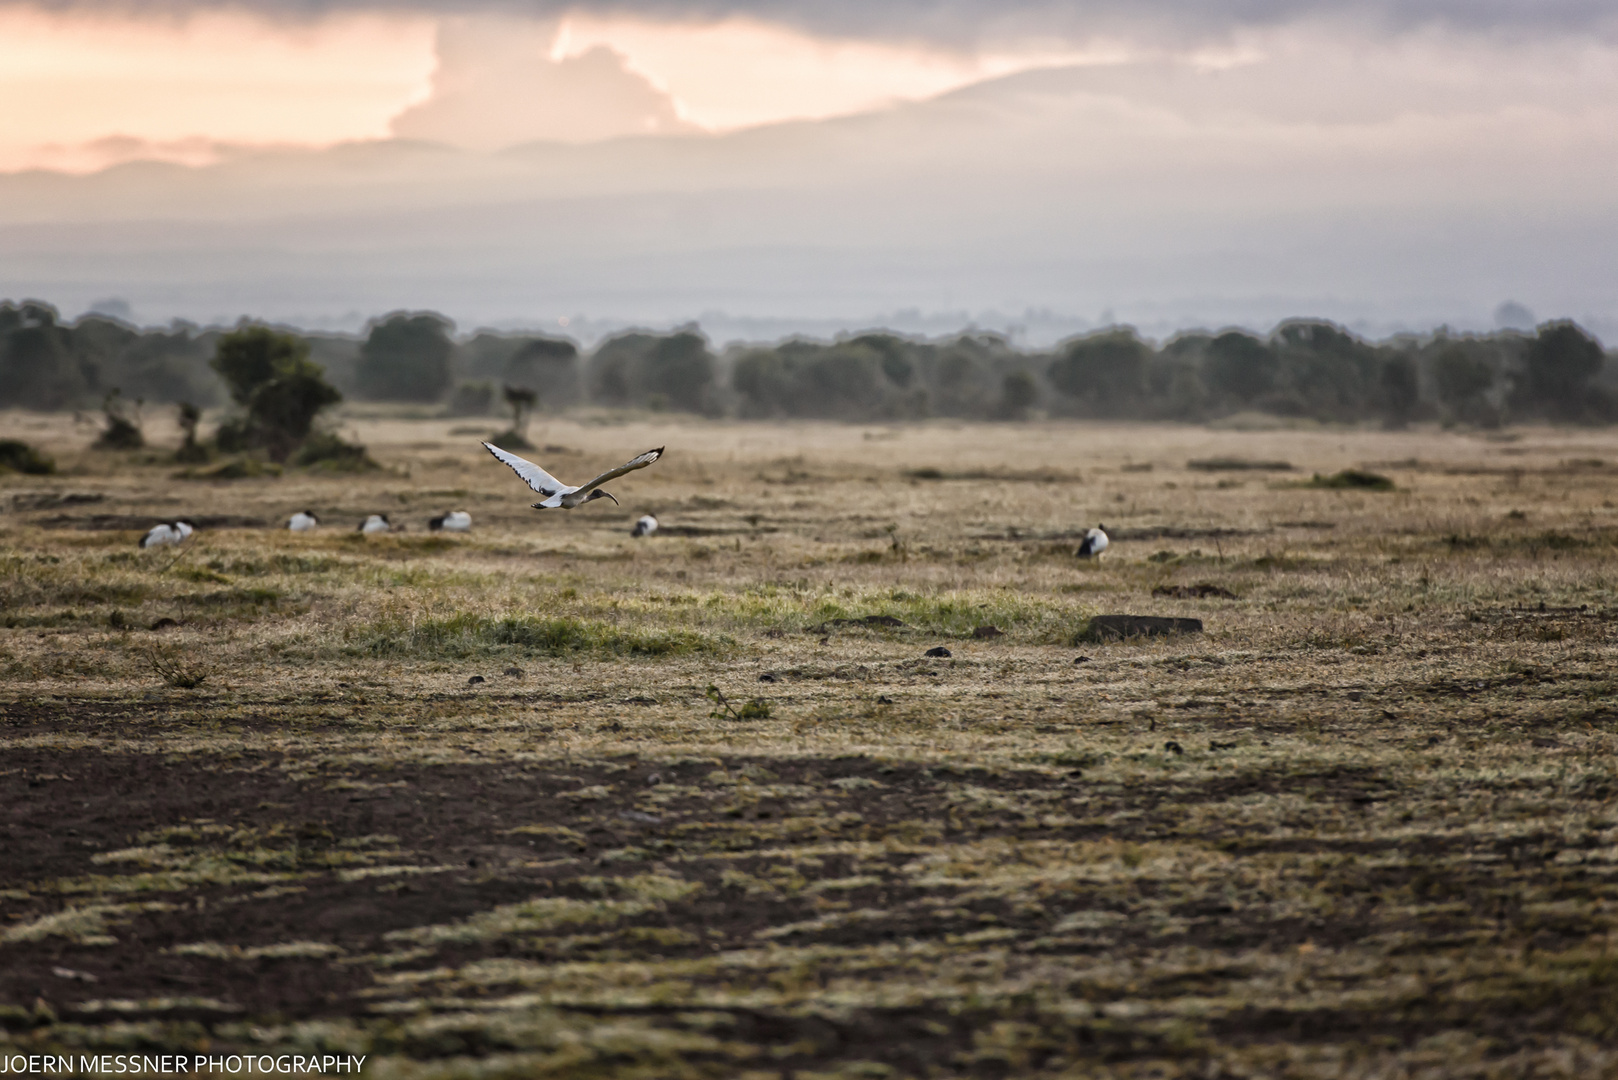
496	85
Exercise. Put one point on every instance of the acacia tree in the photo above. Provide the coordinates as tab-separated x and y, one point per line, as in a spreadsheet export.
122	431
1561	363
38	369
1107	369
1240	365
1400	386
280	389
521	401
407	358
1464	373
190	450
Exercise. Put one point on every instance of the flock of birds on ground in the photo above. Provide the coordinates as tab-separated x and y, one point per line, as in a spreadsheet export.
453	521
553	495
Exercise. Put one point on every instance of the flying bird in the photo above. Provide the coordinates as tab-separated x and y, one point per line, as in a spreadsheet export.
166	533
454	521
557	494
376	523
303	521
646	526
1094	543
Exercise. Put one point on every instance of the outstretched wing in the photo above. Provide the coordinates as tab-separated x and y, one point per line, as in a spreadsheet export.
532	475
639	461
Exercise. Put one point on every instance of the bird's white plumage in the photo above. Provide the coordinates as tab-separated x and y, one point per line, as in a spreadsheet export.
302	521
1094	543
646	526
376	523
532	475
559	495
170	532
454	521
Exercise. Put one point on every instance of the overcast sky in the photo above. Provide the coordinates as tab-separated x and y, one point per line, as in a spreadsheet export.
772	165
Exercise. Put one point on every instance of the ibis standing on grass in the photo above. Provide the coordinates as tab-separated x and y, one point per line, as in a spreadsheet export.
555	494
170	532
303	521
376	523
646	526
1094	543
454	521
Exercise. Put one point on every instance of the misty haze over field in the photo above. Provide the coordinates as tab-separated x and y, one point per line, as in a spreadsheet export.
768	169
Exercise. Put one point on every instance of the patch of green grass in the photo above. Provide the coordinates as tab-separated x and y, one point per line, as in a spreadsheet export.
239	468
280	563
18	456
465	635
951	613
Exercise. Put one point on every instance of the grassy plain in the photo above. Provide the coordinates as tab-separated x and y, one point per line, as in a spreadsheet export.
1363	826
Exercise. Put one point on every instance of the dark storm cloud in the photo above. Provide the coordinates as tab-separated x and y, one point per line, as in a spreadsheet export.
967	21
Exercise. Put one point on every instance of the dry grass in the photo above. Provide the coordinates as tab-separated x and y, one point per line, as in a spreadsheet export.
1363	826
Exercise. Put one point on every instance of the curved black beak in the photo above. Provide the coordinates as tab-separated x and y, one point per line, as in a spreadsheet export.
613	497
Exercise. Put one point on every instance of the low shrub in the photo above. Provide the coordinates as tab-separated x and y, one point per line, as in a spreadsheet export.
1352	479
18	456
329	453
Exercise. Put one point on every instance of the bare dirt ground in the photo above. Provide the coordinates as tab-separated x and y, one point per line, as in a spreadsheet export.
251	797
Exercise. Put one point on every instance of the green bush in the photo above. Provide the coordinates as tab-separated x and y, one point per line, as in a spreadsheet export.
330	453
1352	479
121	432
18	456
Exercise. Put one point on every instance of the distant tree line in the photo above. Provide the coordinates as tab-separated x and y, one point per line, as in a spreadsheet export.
1304	368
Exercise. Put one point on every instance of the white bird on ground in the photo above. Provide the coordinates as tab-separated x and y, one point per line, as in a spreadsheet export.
1094	543
376	523
557	494
167	533
454	521
303	521
646	526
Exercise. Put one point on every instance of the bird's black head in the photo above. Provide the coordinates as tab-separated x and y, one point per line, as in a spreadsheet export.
598	493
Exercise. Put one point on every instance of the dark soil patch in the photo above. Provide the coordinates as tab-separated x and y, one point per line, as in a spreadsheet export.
1119	627
1194	592
142	522
472	837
